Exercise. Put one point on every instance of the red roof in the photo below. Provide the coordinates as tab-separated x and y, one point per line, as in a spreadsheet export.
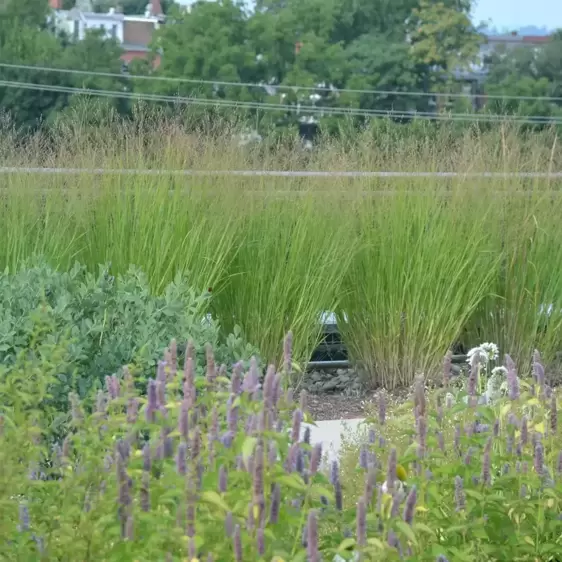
536	38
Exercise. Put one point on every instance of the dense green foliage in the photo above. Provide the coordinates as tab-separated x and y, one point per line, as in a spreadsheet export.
407	45
207	468
101	323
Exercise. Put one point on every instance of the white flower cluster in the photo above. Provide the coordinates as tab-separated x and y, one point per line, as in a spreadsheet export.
484	353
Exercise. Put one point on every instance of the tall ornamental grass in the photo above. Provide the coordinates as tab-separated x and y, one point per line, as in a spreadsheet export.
412	265
424	266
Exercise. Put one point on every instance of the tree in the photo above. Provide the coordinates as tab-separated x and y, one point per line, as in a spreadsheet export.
26	39
526	72
442	35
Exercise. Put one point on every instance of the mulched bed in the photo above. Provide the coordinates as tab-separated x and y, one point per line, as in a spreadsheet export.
338	406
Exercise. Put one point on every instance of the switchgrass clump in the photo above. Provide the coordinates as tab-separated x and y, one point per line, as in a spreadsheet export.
213	467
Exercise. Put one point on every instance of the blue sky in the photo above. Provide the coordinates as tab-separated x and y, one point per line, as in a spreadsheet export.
513	14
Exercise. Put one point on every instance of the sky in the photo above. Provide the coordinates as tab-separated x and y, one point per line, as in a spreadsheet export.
508	15
514	14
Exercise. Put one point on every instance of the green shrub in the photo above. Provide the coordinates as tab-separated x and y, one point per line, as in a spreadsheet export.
106	323
207	468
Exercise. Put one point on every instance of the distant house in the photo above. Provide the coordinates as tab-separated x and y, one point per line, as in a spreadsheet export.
133	33
474	76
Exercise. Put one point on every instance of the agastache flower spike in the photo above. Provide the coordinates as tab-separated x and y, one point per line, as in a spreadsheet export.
315	458
223	479
391	470
538	459
152	401
312	537
559	464
363	457
370	482
338	496
334	473
236	379
232	415
181	459
512	379
397	500
410	506
296	429
268	387
275	504
486	463
237	544
229	524
361	523
24	518
538	372
260	541
460	500
251	381
132	410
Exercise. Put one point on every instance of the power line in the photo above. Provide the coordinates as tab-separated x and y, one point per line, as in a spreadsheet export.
178	80
321	111
281	173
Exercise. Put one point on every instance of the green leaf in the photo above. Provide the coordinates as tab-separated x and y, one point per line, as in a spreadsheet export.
406	530
248	448
212	497
346	544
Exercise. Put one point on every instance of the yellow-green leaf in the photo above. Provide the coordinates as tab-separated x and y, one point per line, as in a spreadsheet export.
210	496
248	448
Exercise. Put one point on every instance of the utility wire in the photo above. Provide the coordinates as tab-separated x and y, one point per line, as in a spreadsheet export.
179	80
321	111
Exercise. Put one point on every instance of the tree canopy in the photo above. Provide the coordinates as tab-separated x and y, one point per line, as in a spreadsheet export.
356	54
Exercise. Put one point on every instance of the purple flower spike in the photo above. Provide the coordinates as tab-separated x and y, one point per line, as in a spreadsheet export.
275	504
364	457
391	470
512	379
338	496
229	524
361	523
312	537
24	518
486	463
410	506
237	544
538	459
152	403
296	429
315	458
334	473
181	459
460	499
236	379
